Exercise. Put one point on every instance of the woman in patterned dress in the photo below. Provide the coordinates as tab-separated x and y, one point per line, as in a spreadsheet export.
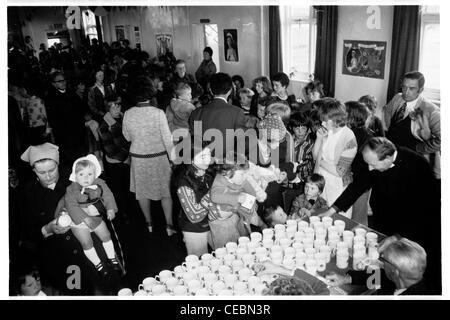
151	150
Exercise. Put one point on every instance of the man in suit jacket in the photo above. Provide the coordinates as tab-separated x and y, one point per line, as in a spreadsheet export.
404	263
403	199
415	122
218	114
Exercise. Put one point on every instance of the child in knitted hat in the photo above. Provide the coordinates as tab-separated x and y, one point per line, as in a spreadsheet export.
86	199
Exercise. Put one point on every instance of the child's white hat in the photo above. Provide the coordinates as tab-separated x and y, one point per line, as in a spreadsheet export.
91	158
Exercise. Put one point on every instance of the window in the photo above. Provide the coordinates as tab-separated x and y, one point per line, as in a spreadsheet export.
429	59
298	32
90	28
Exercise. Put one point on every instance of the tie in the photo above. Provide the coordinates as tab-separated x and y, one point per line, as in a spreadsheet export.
398	115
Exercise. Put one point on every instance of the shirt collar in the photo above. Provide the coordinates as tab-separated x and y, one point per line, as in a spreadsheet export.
221	98
395	159
411	105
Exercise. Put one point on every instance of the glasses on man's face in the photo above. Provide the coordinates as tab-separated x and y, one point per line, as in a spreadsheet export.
385	261
58	81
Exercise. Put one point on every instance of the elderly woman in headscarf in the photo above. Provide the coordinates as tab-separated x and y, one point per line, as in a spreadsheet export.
51	244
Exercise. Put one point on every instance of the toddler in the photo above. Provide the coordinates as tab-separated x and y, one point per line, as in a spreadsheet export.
274	215
310	201
180	109
29	284
86	199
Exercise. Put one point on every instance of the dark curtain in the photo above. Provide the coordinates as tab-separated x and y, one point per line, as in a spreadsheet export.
405	46
325	65
275	57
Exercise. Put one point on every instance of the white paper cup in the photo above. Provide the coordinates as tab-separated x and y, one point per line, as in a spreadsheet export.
327	222
180	290
310	252
341	225
291	223
206	259
125	292
318	243
223	270
285	243
171	283
243	240
179	271
280	228
256	237
248	260
218	286
237	265
147	284
245	273
360	232
268	233
228	259
297	245
220	253
267	243
202	292
313	219
158	289
321	259
231	247
215	263
302	225
164	275
194	285
311	266
229	280
189	275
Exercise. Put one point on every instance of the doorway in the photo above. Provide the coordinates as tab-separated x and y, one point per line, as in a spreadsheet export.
205	35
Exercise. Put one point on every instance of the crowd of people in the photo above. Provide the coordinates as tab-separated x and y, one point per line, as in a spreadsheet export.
87	127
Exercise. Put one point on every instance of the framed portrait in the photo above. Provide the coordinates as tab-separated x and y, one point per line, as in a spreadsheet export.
120	33
231	45
163	44
364	58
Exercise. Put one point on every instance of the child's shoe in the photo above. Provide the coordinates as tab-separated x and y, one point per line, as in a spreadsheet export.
115	264
101	269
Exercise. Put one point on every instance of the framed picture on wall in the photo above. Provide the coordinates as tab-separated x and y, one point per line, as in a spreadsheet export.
120	33
164	44
364	58
231	45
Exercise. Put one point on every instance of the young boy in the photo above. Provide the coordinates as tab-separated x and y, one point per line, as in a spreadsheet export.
310	202
180	109
245	98
274	215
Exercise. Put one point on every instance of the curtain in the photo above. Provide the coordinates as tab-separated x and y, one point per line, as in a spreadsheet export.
405	46
275	57
325	65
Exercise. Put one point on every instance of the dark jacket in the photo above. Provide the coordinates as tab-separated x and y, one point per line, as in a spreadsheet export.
57	252
403	198
218	115
66	118
113	142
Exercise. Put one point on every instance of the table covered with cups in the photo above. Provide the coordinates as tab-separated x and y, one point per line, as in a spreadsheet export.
315	245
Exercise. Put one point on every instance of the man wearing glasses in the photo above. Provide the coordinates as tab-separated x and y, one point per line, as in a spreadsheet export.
404	263
66	117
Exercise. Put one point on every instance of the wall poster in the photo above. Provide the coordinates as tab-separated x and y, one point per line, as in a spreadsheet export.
120	33
164	44
364	58
231	45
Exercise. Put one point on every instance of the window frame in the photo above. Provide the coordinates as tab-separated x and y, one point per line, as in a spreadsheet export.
287	20
428	19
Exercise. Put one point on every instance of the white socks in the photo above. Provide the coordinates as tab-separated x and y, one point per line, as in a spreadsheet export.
92	255
109	249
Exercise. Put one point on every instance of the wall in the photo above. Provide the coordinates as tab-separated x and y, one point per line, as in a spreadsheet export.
352	26
247	21
37	21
